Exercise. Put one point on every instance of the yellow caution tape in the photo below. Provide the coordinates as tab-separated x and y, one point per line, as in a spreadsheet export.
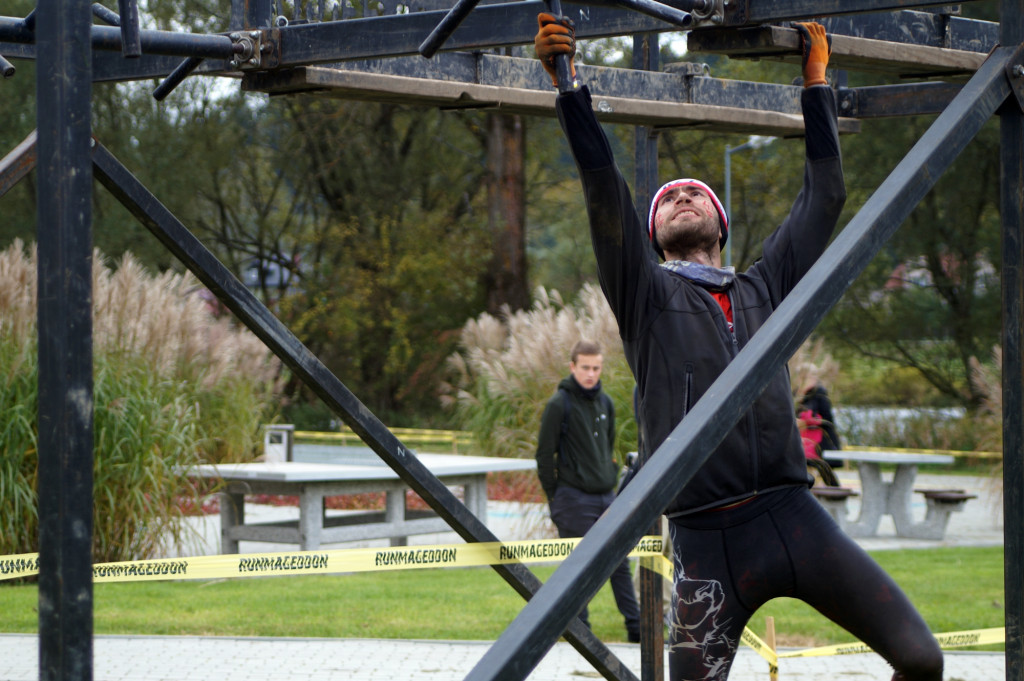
327	562
20	565
648	550
956	639
760	647
660	564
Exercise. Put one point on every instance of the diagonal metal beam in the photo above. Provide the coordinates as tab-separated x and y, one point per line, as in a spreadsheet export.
305	365
675	462
18	163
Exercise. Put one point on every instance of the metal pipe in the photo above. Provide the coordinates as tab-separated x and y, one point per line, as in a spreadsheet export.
131	43
15	30
671	15
152	41
167	42
563	69
104	14
175	78
6	68
446	27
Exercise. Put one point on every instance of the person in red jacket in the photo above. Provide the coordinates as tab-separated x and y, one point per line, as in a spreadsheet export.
746	528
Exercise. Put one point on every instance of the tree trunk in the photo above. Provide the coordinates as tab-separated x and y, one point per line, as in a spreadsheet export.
505	281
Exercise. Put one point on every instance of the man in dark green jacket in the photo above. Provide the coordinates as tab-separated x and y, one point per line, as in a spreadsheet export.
576	464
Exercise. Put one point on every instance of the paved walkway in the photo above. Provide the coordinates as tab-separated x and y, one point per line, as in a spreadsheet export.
192	658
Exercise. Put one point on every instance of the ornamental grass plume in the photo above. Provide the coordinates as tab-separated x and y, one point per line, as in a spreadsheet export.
988	381
174	386
811	361
507	368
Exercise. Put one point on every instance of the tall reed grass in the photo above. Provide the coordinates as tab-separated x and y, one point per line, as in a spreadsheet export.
507	369
174	386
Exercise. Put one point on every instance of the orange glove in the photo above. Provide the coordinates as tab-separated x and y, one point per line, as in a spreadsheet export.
557	36
816	48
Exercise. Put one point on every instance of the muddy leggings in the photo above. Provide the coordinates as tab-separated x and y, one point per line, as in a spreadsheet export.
730	562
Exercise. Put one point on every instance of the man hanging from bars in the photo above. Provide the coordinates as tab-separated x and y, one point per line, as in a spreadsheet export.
746	528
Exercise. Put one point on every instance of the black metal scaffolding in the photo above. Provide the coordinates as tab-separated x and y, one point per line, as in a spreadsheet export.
272	52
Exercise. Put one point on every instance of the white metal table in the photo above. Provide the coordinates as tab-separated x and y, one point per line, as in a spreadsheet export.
352	470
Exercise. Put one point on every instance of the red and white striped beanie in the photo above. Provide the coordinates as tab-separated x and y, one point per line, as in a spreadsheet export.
723	218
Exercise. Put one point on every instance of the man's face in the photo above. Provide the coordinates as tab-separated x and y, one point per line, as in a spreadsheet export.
587	369
686	218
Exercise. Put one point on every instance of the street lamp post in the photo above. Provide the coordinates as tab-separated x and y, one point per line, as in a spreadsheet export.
729	151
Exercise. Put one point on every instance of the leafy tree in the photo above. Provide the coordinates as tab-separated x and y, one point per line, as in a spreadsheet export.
930	300
396	244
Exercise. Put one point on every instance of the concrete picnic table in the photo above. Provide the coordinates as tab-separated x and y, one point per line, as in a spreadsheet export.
319	471
892	497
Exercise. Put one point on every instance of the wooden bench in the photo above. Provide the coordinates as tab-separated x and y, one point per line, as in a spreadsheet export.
834	500
941	503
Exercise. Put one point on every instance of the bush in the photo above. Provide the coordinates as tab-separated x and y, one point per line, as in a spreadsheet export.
173	386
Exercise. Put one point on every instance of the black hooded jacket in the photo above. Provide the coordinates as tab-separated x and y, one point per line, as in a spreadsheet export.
673	331
582	457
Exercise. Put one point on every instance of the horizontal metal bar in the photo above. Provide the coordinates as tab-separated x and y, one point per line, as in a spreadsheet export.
674	110
166	42
919	28
692	441
153	42
308	369
759	12
886	101
856	53
486	27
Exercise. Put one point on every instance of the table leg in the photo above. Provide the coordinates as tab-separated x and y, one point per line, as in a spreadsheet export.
874	496
901	493
232	514
476	497
394	513
311	520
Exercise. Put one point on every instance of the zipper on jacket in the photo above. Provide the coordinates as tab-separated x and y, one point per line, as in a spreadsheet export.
755	451
687	389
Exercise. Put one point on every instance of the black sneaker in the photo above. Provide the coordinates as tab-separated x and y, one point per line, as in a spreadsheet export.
633	636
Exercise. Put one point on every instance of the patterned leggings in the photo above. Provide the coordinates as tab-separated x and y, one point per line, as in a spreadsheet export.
729	563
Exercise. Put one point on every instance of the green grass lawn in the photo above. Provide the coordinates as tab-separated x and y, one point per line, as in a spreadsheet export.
955	589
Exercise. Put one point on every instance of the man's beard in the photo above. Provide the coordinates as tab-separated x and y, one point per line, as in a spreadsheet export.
690	238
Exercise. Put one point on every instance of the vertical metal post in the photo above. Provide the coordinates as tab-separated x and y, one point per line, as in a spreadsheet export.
64	200
1012	213
255	13
652	632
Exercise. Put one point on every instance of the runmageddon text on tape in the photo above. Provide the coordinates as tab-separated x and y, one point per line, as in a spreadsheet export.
325	562
649	550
